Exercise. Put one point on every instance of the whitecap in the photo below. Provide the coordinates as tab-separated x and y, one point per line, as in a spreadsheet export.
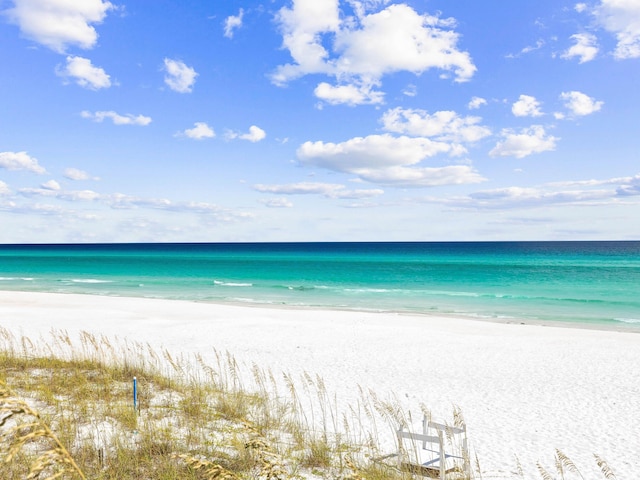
232	284
90	280
627	320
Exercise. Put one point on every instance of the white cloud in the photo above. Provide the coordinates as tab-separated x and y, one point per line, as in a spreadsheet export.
116	118
348	94
84	73
51	185
530	140
528	49
580	104
587	192
476	102
20	161
200	131
385	159
232	23
398	38
4	188
526	106
121	201
58	24
622	18
255	134
410	91
359	51
518	197
629	187
276	202
580	7
179	77
329	190
586	47
67	195
442	125
75	174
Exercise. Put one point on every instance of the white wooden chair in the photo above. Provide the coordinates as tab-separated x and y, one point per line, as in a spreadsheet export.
425	453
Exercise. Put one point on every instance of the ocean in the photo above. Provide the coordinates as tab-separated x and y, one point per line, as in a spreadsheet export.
586	283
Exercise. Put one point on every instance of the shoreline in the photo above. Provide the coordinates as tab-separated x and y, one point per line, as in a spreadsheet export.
523	389
618	327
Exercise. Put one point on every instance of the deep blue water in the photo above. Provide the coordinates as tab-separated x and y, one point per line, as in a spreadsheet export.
582	282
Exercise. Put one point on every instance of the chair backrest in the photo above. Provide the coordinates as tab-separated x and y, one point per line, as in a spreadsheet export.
437	441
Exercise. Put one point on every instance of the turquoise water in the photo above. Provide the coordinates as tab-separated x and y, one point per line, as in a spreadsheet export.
582	282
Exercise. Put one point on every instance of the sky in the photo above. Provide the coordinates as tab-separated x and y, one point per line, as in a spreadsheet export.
319	120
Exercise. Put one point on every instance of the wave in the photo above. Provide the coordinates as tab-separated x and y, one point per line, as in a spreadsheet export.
232	284
627	320
89	280
374	290
13	279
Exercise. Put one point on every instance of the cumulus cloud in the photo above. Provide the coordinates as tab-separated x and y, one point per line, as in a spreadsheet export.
116	118
476	102
348	94
385	159
443	125
51	185
255	134
179	77
526	106
84	73
580	104
528	141
75	174
4	188
200	131
20	161
276	202
358	51
621	18
328	190
58	24
585	47
232	23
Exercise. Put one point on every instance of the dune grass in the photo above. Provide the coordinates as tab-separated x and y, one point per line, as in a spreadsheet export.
66	411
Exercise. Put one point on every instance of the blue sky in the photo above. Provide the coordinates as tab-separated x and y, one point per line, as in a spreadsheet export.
319	120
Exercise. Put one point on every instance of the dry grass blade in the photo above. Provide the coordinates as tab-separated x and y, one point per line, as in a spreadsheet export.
543	473
519	467
567	463
55	461
211	470
458	418
272	464
355	471
478	469
604	468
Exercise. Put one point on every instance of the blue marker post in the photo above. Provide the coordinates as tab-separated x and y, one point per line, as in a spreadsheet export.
135	402
135	394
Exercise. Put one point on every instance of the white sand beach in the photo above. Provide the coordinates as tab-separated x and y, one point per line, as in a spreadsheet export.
524	390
